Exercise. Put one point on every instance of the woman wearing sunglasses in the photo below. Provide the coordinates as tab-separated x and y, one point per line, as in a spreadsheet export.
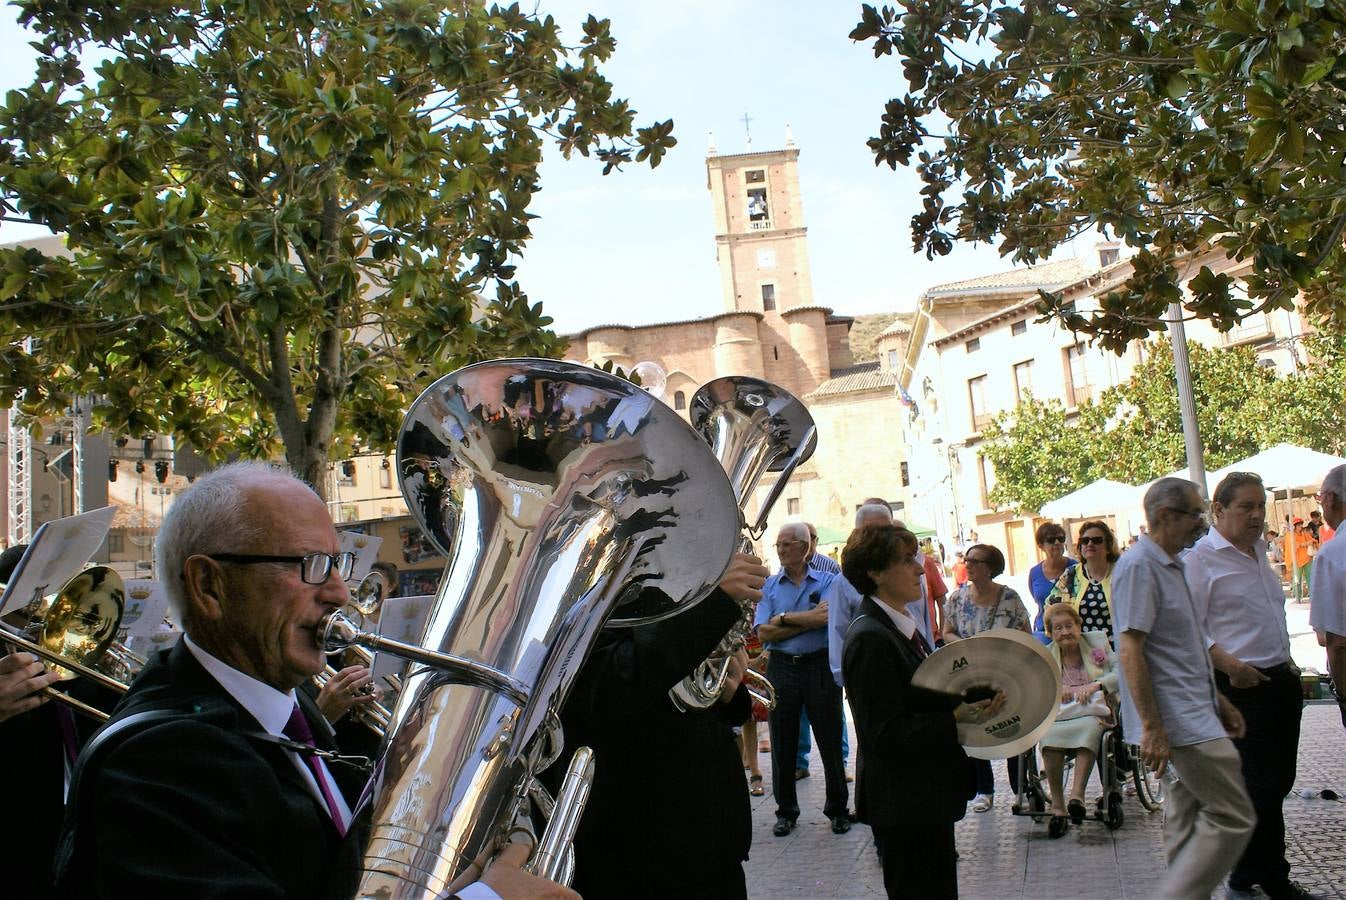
1051	539
1088	586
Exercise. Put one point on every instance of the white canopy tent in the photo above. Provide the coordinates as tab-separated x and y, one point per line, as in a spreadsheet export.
1104	495
1283	466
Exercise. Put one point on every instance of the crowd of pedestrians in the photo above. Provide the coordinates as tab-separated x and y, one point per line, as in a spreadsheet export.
1180	641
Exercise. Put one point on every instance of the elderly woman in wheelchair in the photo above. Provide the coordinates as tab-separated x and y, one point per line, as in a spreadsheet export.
1088	681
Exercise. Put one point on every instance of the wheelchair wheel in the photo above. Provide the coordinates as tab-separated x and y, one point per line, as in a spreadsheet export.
1114	816
1149	786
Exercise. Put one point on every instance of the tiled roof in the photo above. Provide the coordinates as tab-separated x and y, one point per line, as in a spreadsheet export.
853	379
1062	271
901	325
1027	305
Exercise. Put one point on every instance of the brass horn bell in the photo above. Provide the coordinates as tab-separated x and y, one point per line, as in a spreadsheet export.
76	633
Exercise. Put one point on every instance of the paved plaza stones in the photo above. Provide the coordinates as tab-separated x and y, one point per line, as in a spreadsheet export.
1006	857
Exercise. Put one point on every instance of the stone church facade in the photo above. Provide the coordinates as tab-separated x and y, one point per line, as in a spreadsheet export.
772	328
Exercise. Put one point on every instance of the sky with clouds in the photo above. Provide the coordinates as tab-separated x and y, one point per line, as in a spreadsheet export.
638	246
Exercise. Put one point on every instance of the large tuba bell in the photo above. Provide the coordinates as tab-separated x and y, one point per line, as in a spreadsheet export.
753	427
563	496
77	633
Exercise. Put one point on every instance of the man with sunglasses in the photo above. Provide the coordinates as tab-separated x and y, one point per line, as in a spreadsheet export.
1169	700
208	781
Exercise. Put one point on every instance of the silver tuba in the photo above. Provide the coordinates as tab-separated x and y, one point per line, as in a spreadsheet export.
564	498
753	427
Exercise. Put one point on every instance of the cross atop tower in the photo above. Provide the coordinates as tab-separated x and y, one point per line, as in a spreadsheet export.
747	130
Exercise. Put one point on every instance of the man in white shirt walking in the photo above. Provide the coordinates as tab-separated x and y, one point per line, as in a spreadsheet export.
1327	612
1242	607
1169	700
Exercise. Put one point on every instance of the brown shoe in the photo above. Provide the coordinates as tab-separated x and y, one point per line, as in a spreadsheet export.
801	774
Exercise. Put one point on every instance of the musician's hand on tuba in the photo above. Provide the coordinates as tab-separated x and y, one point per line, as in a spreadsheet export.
505	876
738	665
744	578
22	676
352	686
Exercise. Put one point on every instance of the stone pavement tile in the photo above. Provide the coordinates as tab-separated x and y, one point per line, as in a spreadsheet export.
1007	857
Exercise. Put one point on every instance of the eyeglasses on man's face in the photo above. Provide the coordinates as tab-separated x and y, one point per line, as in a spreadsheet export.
1193	513
314	568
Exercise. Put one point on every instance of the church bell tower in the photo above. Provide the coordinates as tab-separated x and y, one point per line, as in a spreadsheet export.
760	238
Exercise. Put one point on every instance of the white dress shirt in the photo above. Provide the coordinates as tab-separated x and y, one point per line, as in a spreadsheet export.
1239	600
901	618
1327	602
272	709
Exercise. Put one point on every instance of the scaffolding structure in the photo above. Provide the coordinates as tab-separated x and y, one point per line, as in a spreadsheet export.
19	450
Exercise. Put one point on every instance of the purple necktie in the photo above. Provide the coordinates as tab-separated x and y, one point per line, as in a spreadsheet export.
922	648
297	729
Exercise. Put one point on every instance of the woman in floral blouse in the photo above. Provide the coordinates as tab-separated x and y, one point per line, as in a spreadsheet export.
977	606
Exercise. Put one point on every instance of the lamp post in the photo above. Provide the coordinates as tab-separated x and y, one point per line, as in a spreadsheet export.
1182	369
950	454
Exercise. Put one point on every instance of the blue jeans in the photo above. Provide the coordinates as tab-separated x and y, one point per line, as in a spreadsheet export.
806	742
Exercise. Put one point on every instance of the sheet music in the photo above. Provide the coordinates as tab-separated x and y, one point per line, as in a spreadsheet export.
146	603
59	550
366	550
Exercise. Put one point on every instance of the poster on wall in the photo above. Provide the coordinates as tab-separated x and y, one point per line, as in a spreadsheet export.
416	582
414	545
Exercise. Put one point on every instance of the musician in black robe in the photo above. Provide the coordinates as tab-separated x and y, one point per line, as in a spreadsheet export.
668	813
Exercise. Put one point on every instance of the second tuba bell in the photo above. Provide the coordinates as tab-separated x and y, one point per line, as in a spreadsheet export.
753	427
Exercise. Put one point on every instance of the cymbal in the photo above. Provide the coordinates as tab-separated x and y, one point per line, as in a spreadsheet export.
999	660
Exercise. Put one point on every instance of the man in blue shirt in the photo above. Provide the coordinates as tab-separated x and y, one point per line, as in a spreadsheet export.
818	562
792	623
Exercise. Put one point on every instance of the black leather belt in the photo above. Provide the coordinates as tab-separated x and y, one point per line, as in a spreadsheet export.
797	657
1285	668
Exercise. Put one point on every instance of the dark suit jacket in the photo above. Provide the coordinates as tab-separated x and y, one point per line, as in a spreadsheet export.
912	767
32	764
669	805
188	806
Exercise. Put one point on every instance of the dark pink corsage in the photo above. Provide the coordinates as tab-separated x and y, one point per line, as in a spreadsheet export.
1100	657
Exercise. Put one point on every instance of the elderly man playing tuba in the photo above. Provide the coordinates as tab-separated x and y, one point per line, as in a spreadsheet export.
203	784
